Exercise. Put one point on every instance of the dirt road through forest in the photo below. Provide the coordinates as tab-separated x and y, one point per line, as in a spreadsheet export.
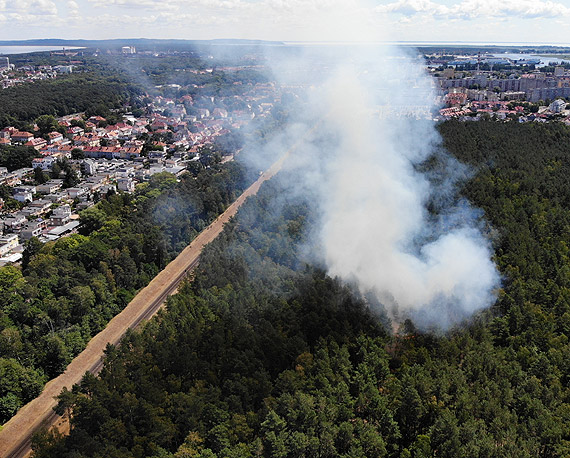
15	437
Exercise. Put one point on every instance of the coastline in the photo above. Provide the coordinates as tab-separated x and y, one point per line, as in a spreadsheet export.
18	49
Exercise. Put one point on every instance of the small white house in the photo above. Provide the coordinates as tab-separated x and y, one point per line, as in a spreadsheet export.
558	106
23	197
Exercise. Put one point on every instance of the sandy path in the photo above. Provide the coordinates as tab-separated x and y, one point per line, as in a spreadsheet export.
16	433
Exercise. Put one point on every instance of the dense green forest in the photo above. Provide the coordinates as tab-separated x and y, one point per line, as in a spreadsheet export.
185	70
75	93
115	82
262	356
16	157
66	291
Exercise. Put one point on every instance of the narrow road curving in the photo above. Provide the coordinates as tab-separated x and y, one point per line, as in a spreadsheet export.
16	434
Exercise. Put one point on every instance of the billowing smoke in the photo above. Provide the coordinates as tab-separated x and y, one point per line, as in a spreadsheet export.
365	166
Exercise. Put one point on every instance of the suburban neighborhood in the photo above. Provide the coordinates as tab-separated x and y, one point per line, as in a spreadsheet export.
169	135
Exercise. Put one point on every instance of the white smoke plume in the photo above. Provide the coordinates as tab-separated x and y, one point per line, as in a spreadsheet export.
373	226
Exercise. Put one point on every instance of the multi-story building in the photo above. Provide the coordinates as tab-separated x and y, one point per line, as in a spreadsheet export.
126	184
21	137
61	215
7	243
32	229
535	95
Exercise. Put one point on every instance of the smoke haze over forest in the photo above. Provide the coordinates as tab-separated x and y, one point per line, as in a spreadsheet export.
364	170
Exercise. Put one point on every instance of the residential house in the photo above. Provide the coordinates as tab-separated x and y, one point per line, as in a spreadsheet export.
156	156
126	184
57	197
58	150
139	130
36	143
175	170
68	228
82	206
88	167
126	171
142	174
108	188
31	212
172	162
94	183
8	242
42	204
161	145
180	126
158	125
21	137
179	155
32	229
63	68
14	222
181	135
44	163
74	193
154	169
10	179
25	188
128	153
106	152
7	132
558	106
49	187
96	120
61	215
55	137
75	131
86	140
23	197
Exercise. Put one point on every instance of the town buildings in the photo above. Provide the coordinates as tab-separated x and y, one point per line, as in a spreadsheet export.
114	158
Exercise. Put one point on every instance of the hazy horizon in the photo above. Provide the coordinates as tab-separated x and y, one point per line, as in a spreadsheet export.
288	20
19	42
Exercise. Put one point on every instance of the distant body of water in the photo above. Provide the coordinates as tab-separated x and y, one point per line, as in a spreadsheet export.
423	44
6	50
544	60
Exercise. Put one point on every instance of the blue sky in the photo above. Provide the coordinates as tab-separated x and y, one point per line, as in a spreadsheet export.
535	21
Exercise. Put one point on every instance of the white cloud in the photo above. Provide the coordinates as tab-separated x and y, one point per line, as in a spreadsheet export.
310	20
534	9
411	7
73	10
297	19
157	5
26	8
297	7
43	7
471	9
